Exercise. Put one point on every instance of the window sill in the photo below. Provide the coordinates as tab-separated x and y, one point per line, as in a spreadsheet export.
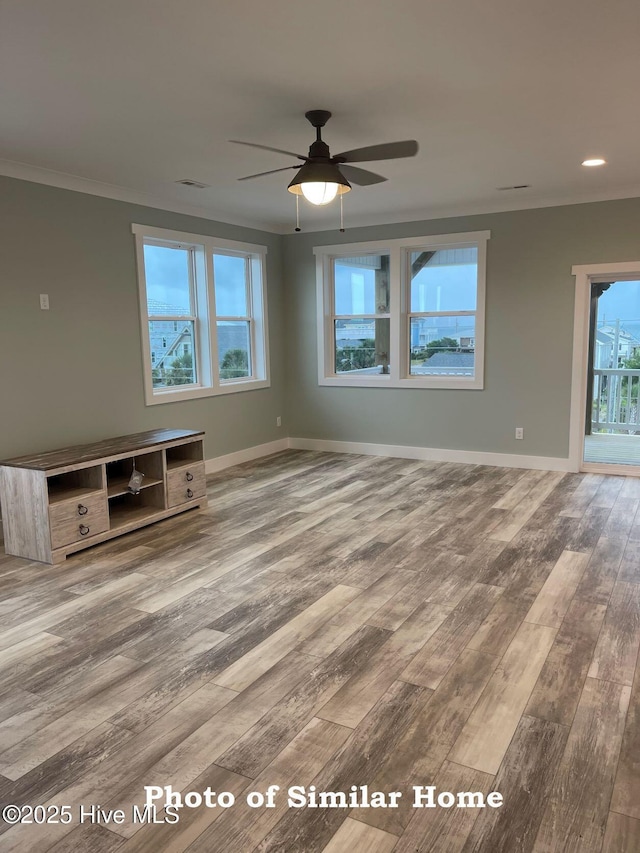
459	383
172	396
413	382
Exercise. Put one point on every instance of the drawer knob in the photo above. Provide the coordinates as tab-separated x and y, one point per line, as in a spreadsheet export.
189	493
82	509
189	476
84	530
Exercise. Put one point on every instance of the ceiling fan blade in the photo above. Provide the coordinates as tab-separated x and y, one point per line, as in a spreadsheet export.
361	177
268	148
270	172
386	151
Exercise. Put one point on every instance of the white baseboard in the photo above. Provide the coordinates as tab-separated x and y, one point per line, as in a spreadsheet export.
435	454
401	451
218	463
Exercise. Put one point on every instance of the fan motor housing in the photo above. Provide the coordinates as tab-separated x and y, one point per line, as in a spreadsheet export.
319	150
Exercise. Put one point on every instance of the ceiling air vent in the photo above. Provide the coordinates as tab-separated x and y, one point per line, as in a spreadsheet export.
514	187
188	182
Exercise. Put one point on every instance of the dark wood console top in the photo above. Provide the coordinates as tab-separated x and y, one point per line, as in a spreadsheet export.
84	453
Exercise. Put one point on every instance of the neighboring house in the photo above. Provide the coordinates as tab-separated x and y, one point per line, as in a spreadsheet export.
168	339
231	336
605	343
171	339
173	344
423	332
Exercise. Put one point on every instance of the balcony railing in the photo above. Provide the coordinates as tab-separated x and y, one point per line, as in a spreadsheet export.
616	401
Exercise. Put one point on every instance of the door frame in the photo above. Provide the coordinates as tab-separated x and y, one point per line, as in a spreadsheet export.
584	274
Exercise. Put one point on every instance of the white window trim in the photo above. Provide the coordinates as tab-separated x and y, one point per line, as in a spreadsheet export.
206	343
398	376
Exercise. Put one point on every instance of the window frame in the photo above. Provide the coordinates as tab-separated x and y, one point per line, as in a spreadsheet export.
382	315
399	251
205	342
176	319
249	318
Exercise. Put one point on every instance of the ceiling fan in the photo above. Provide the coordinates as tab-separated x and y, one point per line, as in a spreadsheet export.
322	176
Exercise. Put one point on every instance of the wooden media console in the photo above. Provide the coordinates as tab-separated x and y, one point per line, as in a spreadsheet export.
59	502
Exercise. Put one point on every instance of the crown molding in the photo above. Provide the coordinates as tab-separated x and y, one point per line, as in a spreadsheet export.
65	181
471	209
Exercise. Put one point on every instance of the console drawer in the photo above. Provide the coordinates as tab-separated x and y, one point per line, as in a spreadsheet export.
77	519
186	484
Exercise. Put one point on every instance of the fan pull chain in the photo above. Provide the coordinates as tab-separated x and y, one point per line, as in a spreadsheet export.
297	212
341	215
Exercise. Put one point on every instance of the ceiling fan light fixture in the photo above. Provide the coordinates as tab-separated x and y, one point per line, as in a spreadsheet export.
319	183
319	192
320	179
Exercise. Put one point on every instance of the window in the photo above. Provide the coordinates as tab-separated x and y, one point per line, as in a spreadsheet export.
403	313
233	317
442	311
360	319
203	311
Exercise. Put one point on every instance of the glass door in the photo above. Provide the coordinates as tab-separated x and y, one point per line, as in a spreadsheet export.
612	423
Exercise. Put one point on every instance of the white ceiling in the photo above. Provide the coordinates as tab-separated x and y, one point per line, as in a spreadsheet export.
137	94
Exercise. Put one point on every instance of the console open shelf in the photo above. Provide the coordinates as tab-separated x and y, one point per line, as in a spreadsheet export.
57	495
120	486
126	508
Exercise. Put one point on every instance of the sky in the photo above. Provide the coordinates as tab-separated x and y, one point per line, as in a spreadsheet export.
443	287
167	274
622	301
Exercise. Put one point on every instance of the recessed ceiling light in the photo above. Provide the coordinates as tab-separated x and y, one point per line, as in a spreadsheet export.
595	161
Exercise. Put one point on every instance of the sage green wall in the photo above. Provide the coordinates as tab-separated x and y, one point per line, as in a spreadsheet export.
74	373
530	298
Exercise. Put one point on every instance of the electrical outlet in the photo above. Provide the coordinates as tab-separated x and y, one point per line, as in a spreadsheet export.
519	432
278	421
44	301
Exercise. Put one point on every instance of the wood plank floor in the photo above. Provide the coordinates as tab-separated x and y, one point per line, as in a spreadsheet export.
335	621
